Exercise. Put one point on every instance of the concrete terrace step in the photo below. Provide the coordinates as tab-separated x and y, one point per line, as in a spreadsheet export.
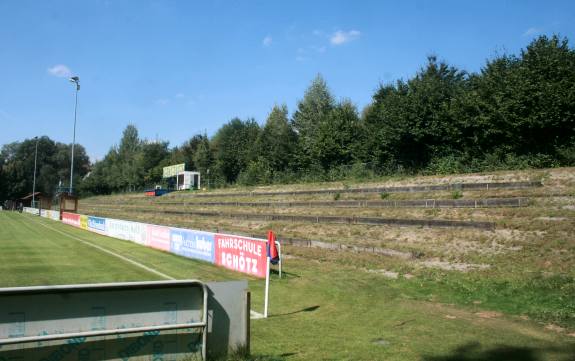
398	189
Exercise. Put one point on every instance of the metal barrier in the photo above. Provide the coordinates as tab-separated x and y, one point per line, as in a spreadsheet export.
77	312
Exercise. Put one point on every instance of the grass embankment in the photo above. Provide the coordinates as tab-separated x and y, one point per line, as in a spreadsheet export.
328	306
525	266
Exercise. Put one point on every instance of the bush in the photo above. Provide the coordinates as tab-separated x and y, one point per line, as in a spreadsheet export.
456	194
566	154
257	172
445	165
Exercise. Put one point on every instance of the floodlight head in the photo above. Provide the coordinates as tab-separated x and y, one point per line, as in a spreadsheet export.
74	79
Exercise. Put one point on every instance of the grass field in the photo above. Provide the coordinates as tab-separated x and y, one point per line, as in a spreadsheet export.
327	307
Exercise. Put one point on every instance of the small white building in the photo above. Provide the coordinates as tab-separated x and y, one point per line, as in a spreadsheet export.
188	180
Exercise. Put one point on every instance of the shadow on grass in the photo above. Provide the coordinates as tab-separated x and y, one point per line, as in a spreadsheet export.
282	357
242	353
307	309
475	352
284	273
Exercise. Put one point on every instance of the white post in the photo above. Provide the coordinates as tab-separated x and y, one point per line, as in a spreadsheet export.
267	288
279	246
75	80
34	184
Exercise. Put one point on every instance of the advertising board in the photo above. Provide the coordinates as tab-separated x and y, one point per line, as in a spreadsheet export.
72	219
158	237
173	170
34	211
54	215
126	230
97	224
138	233
83	221
192	244
241	254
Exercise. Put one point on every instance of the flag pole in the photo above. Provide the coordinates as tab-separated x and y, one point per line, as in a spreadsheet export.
280	254
267	288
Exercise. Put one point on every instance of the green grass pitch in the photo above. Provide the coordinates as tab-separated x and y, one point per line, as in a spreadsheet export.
319	310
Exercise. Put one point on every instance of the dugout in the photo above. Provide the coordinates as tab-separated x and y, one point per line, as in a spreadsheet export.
68	203
42	201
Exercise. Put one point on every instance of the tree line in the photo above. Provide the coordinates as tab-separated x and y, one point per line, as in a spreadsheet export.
52	167
518	111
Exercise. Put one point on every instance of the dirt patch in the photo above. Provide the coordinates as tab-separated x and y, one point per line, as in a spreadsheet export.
554	219
488	314
554	328
462	247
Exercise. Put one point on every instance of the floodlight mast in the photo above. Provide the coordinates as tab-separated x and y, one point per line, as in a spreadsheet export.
34	182
75	80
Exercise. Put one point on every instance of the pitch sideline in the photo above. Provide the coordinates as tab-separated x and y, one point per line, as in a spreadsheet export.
102	249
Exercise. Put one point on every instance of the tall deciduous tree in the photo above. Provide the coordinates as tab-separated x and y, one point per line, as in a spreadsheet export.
152	155
526	104
339	137
128	153
277	141
203	157
413	122
233	147
316	104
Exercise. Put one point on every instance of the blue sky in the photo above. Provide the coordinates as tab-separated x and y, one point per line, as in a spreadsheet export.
179	68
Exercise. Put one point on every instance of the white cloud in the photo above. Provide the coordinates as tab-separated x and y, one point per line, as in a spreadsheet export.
60	70
342	37
532	31
180	95
267	41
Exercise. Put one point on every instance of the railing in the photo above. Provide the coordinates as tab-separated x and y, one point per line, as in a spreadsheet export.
48	313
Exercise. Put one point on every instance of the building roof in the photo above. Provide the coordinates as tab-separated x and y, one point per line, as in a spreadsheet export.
29	196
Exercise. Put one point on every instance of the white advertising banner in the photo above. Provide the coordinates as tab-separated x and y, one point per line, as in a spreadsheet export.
46	213
34	211
126	230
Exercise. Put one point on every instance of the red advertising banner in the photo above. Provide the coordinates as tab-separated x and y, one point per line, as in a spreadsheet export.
72	219
158	237
241	254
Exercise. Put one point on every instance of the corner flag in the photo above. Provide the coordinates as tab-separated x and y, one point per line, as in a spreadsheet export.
272	249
